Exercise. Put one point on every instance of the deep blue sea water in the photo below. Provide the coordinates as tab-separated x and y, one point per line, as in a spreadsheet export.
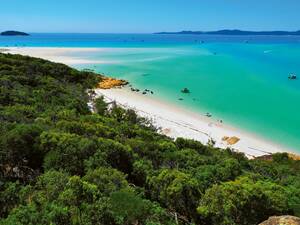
239	79
134	40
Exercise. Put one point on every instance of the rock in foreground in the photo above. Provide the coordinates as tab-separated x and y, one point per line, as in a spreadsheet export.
282	220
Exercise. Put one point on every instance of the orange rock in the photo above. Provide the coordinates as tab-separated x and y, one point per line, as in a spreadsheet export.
294	156
231	140
225	138
108	83
282	220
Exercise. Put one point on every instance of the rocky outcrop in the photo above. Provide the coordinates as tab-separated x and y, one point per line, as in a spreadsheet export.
185	91
107	83
294	156
231	140
282	220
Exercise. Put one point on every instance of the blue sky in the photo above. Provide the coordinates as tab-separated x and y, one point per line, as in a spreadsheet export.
142	16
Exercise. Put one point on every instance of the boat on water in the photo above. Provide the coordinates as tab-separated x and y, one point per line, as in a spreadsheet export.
292	77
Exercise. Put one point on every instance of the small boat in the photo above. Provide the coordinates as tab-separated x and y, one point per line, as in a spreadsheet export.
292	77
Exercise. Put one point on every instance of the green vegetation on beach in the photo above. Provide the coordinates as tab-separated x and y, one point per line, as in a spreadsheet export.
62	164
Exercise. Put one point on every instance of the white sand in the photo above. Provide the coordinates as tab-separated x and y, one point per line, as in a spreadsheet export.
176	122
67	56
173	121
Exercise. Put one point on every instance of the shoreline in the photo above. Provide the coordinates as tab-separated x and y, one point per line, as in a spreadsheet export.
173	120
65	55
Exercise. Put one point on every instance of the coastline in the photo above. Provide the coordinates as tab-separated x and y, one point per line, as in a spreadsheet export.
56	54
176	122
172	120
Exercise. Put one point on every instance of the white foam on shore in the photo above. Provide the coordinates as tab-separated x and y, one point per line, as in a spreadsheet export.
177	122
76	55
60	55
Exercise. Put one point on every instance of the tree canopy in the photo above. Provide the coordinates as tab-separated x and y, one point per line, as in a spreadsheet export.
62	164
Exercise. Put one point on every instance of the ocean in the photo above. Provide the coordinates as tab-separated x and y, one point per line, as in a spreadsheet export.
242	80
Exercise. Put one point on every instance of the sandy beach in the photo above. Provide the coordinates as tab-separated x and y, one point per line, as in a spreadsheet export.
55	54
177	122
171	120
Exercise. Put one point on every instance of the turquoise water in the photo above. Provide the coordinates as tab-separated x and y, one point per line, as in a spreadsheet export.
241	80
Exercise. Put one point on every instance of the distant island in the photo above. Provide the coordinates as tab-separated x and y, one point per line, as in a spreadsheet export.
13	33
235	32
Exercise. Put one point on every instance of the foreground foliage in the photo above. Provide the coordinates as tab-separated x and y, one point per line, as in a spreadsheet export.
61	164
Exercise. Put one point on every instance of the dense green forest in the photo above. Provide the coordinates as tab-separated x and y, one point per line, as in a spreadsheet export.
62	164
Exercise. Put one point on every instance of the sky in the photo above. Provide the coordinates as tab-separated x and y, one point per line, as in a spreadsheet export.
147	16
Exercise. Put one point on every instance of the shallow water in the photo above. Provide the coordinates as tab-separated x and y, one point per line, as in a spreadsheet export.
241	80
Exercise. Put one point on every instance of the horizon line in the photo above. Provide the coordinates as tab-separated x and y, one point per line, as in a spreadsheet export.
155	32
